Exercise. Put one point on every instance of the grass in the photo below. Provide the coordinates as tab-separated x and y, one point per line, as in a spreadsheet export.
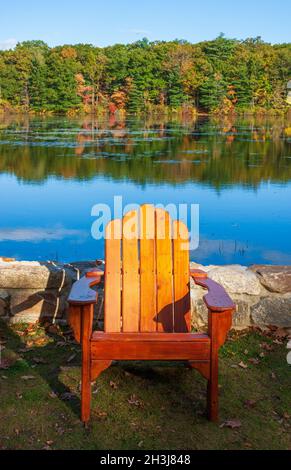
141	405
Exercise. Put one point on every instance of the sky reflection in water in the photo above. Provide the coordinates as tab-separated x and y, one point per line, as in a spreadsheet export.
53	170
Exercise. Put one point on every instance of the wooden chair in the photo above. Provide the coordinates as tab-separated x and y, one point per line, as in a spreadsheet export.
147	303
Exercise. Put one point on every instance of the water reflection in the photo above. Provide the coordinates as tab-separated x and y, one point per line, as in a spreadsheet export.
52	170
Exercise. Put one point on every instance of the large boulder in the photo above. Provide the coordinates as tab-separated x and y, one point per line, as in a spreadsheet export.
33	275
28	305
236	279
272	310
274	278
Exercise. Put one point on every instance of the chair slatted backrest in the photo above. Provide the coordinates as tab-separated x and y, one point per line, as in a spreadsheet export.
147	273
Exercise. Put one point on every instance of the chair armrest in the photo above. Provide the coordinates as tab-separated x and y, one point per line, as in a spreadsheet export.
217	299
81	292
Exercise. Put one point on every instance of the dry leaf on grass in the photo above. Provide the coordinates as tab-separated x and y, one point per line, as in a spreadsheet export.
6	362
250	403
72	357
100	413
243	365
113	384
28	377
39	360
133	400
254	360
231	423
267	347
68	396
281	333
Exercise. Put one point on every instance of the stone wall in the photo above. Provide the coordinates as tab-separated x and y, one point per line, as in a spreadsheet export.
31	291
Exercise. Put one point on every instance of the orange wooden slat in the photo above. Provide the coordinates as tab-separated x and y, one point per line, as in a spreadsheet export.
112	301
164	271
130	273
147	269
182	313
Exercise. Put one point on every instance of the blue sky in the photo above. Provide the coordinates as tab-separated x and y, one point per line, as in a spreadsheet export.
102	22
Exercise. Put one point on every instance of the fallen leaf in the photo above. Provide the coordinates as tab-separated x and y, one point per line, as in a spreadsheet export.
4	377
18	395
39	360
273	375
71	358
28	377
277	341
243	365
254	360
68	396
140	444
267	347
281	333
250	403
49	443
133	400
6	362
53	394
113	384
248	444
100	413
231	423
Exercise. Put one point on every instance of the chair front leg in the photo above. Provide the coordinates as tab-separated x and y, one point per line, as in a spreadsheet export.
86	332
219	324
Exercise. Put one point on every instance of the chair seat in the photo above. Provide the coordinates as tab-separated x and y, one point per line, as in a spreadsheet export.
150	346
161	337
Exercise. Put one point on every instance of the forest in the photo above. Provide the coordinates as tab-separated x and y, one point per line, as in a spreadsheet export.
218	76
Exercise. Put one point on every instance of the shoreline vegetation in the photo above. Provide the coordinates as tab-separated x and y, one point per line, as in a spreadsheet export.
219	77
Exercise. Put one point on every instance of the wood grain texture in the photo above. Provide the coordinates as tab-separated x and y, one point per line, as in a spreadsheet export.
148	299
86	333
182	313
112	295
74	320
130	273
180	337
164	272
151	350
97	367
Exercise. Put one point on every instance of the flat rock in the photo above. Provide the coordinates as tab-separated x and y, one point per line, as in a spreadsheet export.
272	310
236	279
32	275
274	278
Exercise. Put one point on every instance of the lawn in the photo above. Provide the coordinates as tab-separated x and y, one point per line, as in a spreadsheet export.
142	405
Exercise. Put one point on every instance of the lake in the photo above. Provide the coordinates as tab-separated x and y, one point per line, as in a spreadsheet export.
53	170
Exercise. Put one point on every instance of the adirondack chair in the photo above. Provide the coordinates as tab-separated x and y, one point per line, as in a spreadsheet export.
147	303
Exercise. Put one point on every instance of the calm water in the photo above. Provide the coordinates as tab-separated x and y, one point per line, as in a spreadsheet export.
53	170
